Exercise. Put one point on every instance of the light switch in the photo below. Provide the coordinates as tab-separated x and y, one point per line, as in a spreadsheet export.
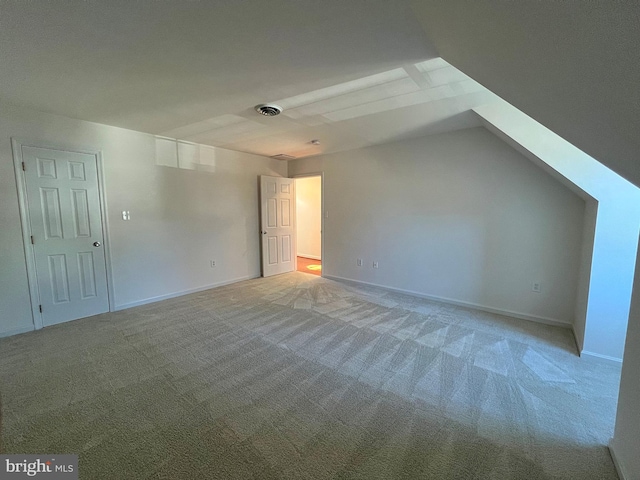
126	215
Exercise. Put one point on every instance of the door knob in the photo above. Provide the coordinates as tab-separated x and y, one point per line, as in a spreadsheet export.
264	233
96	244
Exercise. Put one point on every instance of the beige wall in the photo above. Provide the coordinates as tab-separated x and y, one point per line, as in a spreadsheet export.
180	219
309	217
601	320
459	216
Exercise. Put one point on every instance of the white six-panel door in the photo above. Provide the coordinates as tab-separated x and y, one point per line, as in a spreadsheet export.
278	215
66	227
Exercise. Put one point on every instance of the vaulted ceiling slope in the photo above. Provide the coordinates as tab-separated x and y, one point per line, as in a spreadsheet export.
572	65
161	66
173	67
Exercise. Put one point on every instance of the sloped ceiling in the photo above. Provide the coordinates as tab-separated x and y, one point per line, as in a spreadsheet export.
174	67
572	65
151	65
194	70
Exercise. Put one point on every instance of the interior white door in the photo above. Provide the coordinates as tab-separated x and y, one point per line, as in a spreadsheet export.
66	227
278	203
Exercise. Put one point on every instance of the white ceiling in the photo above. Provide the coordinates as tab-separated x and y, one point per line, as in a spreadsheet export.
417	99
349	73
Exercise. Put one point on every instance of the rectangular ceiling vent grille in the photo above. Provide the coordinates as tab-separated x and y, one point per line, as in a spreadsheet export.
283	156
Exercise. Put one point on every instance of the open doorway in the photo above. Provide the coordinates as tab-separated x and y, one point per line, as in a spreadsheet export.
309	224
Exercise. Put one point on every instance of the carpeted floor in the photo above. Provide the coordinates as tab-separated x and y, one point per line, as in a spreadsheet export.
296	376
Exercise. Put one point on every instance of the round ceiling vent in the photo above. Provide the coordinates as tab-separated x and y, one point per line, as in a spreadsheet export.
268	110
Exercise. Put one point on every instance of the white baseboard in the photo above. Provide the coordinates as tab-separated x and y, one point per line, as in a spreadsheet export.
599	355
622	474
586	353
17	331
312	257
184	292
460	303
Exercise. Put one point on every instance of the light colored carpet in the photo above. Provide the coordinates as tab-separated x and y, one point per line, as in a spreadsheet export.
297	376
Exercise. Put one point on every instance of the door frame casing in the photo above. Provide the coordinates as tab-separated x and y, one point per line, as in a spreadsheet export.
322	215
25	221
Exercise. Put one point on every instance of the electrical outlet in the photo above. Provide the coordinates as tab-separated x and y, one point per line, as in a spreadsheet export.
536	287
375	264
213	263
359	262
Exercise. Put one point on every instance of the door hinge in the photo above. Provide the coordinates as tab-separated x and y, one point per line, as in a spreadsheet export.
40	308
24	168
33	242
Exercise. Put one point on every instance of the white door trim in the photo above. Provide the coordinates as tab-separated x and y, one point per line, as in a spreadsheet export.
322	216
29	252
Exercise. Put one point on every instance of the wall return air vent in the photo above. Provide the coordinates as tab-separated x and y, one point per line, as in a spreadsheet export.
268	110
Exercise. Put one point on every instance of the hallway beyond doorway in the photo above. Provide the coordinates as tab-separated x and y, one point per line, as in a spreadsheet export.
309	265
